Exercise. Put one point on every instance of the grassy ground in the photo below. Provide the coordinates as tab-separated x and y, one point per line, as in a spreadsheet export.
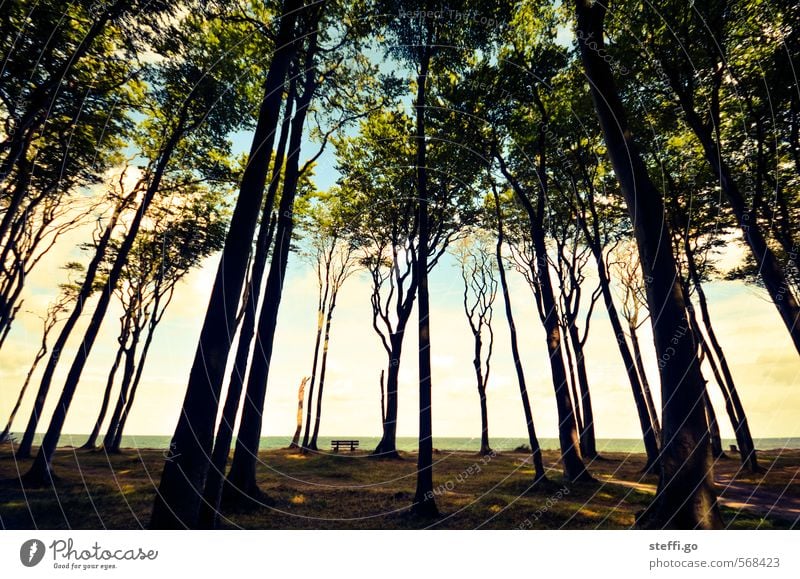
351	490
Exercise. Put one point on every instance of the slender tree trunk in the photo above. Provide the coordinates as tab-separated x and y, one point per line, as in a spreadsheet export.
38	358
212	492
686	498
122	398
321	307
241	480
536	451
323	368
713	428
574	469
300	397
387	447
648	395
588	440
383	399
177	502
424	504
741	428
91	442
573	384
481	383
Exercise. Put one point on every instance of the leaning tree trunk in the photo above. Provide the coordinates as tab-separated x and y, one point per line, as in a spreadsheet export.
741	427
91	441
177	501
38	358
536	451
212	492
321	307
587	436
648	395
241	480
573	384
713	428
387	446
686	498
41	470
574	469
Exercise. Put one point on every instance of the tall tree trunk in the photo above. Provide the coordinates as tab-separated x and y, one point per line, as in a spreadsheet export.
177	501
241	480
300	397
587	436
41	470
387	446
574	469
86	289
741	428
481	383
713	428
686	498
212	492
536	451
573	384
127	377
424	504
323	368
321	307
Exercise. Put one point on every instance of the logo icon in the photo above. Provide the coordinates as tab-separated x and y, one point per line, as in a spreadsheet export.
32	552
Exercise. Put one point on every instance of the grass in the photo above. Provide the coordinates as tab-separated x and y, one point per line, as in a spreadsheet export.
354	491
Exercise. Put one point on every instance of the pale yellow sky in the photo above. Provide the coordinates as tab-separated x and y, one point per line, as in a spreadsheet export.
761	356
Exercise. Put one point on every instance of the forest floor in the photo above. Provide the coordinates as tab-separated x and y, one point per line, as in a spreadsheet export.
351	490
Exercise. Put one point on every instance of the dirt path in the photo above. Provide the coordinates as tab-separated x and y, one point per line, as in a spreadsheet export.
740	496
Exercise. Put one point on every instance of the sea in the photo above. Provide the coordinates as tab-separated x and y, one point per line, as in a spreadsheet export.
409	443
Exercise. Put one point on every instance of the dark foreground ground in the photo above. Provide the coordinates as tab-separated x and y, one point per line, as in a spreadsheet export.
351	490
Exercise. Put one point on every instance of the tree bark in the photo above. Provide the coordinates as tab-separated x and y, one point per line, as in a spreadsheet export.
424	504
177	502
686	498
212	492
648	395
323	368
536	451
241	481
574	469
587	436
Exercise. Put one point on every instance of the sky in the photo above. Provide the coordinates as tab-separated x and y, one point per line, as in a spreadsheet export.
761	355
762	358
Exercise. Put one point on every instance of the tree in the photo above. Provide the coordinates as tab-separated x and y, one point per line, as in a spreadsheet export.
686	497
335	259
178	500
183	122
536	451
478	268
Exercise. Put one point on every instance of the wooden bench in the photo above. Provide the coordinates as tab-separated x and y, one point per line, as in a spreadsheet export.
337	444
